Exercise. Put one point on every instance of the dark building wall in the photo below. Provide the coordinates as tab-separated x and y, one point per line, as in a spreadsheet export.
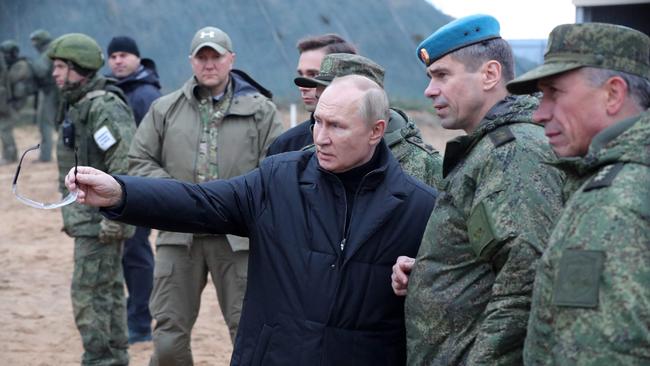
635	16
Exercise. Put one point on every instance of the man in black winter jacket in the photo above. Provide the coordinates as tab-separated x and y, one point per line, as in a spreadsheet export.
325	227
138	79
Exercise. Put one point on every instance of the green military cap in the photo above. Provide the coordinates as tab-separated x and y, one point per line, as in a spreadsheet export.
9	45
605	46
79	49
341	64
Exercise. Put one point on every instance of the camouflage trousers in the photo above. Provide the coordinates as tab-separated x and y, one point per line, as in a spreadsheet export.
98	302
9	152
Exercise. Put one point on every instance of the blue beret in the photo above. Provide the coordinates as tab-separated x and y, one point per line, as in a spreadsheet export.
457	34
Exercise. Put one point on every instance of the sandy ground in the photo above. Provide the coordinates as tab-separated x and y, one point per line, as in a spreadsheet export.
36	322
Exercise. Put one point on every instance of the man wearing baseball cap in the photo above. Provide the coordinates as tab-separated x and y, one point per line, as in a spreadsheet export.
469	289
217	126
402	136
590	303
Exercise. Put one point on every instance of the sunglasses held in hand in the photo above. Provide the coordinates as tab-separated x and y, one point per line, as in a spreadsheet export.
71	197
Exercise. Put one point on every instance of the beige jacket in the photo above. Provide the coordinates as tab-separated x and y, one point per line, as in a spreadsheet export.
166	142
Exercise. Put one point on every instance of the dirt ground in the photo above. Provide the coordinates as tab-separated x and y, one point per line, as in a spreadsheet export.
36	322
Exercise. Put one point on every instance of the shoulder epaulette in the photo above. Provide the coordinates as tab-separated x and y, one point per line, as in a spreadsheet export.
604	177
501	136
417	141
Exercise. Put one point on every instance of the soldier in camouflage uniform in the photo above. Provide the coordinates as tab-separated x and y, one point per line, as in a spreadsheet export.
219	125
18	85
469	289
48	93
402	136
95	121
591	298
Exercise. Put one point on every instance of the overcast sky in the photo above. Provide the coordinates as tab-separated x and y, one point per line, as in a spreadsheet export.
519	19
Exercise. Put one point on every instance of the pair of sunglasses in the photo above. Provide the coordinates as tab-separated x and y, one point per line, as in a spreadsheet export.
68	199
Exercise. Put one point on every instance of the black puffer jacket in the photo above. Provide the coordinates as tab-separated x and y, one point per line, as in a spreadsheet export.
307	302
141	88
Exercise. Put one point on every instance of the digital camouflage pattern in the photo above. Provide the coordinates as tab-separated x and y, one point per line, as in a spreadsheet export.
418	159
212	114
89	114
470	288
591	304
600	45
98	301
97	289
342	64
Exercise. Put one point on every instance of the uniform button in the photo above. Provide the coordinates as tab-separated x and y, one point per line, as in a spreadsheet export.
333	266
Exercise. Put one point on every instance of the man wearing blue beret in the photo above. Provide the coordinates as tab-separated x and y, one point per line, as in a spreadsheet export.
470	286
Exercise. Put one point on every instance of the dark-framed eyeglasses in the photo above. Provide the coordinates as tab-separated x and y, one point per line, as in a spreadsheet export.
71	197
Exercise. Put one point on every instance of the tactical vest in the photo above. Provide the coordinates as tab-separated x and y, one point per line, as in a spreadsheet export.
81	220
87	151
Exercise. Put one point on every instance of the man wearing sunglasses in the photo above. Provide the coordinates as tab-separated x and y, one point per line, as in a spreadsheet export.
95	124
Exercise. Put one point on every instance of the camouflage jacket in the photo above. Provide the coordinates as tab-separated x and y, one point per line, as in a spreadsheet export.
417	159
591	304
469	291
103	128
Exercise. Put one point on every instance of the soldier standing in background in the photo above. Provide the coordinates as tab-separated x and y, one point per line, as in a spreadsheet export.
138	79
18	86
470	288
48	94
217	126
590	303
312	51
94	122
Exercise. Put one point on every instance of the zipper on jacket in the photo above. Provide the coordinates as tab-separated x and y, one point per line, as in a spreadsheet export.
346	234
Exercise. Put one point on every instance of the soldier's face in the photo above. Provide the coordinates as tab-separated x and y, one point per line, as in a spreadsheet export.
309	66
572	111
212	69
123	64
62	74
457	94
343	139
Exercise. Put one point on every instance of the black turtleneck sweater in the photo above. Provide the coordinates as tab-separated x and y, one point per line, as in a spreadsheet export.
351	180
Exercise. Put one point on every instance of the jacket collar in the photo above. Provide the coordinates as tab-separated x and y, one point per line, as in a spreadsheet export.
388	183
626	141
510	110
246	95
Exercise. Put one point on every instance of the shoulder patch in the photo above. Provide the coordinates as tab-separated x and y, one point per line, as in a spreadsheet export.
104	138
480	230
578	279
501	136
604	177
